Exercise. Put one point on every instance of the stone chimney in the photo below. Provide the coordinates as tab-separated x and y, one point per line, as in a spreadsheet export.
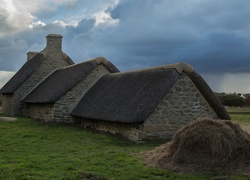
54	42
31	54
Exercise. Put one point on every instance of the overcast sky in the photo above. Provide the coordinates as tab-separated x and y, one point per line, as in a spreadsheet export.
213	36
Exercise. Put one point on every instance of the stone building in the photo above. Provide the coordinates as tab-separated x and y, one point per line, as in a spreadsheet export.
147	103
37	67
54	98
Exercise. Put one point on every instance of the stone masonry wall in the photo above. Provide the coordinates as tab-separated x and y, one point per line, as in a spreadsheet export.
130	131
66	103
7	101
41	111
182	105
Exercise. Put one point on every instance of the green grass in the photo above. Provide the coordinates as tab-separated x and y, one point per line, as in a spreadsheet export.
238	109
30	149
239	115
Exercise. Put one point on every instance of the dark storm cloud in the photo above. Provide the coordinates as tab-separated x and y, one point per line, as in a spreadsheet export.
213	36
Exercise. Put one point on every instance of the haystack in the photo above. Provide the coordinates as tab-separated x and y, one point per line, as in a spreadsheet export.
204	147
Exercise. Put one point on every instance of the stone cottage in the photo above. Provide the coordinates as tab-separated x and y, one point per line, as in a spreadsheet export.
147	103
37	67
54	98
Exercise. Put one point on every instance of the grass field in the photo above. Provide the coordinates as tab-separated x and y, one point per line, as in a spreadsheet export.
30	149
240	116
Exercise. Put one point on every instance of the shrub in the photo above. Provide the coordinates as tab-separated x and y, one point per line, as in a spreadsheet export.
232	99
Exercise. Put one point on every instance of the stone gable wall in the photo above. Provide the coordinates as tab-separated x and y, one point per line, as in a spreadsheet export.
182	105
60	110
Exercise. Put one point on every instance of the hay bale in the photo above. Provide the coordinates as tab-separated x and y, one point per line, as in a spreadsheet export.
202	147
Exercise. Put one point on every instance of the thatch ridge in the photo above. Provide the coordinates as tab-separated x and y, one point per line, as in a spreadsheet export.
126	97
111	67
179	67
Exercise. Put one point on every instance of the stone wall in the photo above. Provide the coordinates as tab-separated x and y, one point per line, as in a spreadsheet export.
182	105
67	102
131	131
42	112
7	102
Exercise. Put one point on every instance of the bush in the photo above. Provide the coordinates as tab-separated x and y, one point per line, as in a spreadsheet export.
232	100
247	99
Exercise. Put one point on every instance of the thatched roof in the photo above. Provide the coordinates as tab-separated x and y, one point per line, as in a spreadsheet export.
131	97
126	97
23	74
62	80
26	71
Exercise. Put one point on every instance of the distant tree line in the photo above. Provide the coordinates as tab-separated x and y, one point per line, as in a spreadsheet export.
0	99
234	99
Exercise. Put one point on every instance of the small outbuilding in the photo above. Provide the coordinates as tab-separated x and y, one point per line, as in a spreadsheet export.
53	99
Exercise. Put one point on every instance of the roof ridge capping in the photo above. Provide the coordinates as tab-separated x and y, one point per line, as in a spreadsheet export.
181	67
106	63
101	60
